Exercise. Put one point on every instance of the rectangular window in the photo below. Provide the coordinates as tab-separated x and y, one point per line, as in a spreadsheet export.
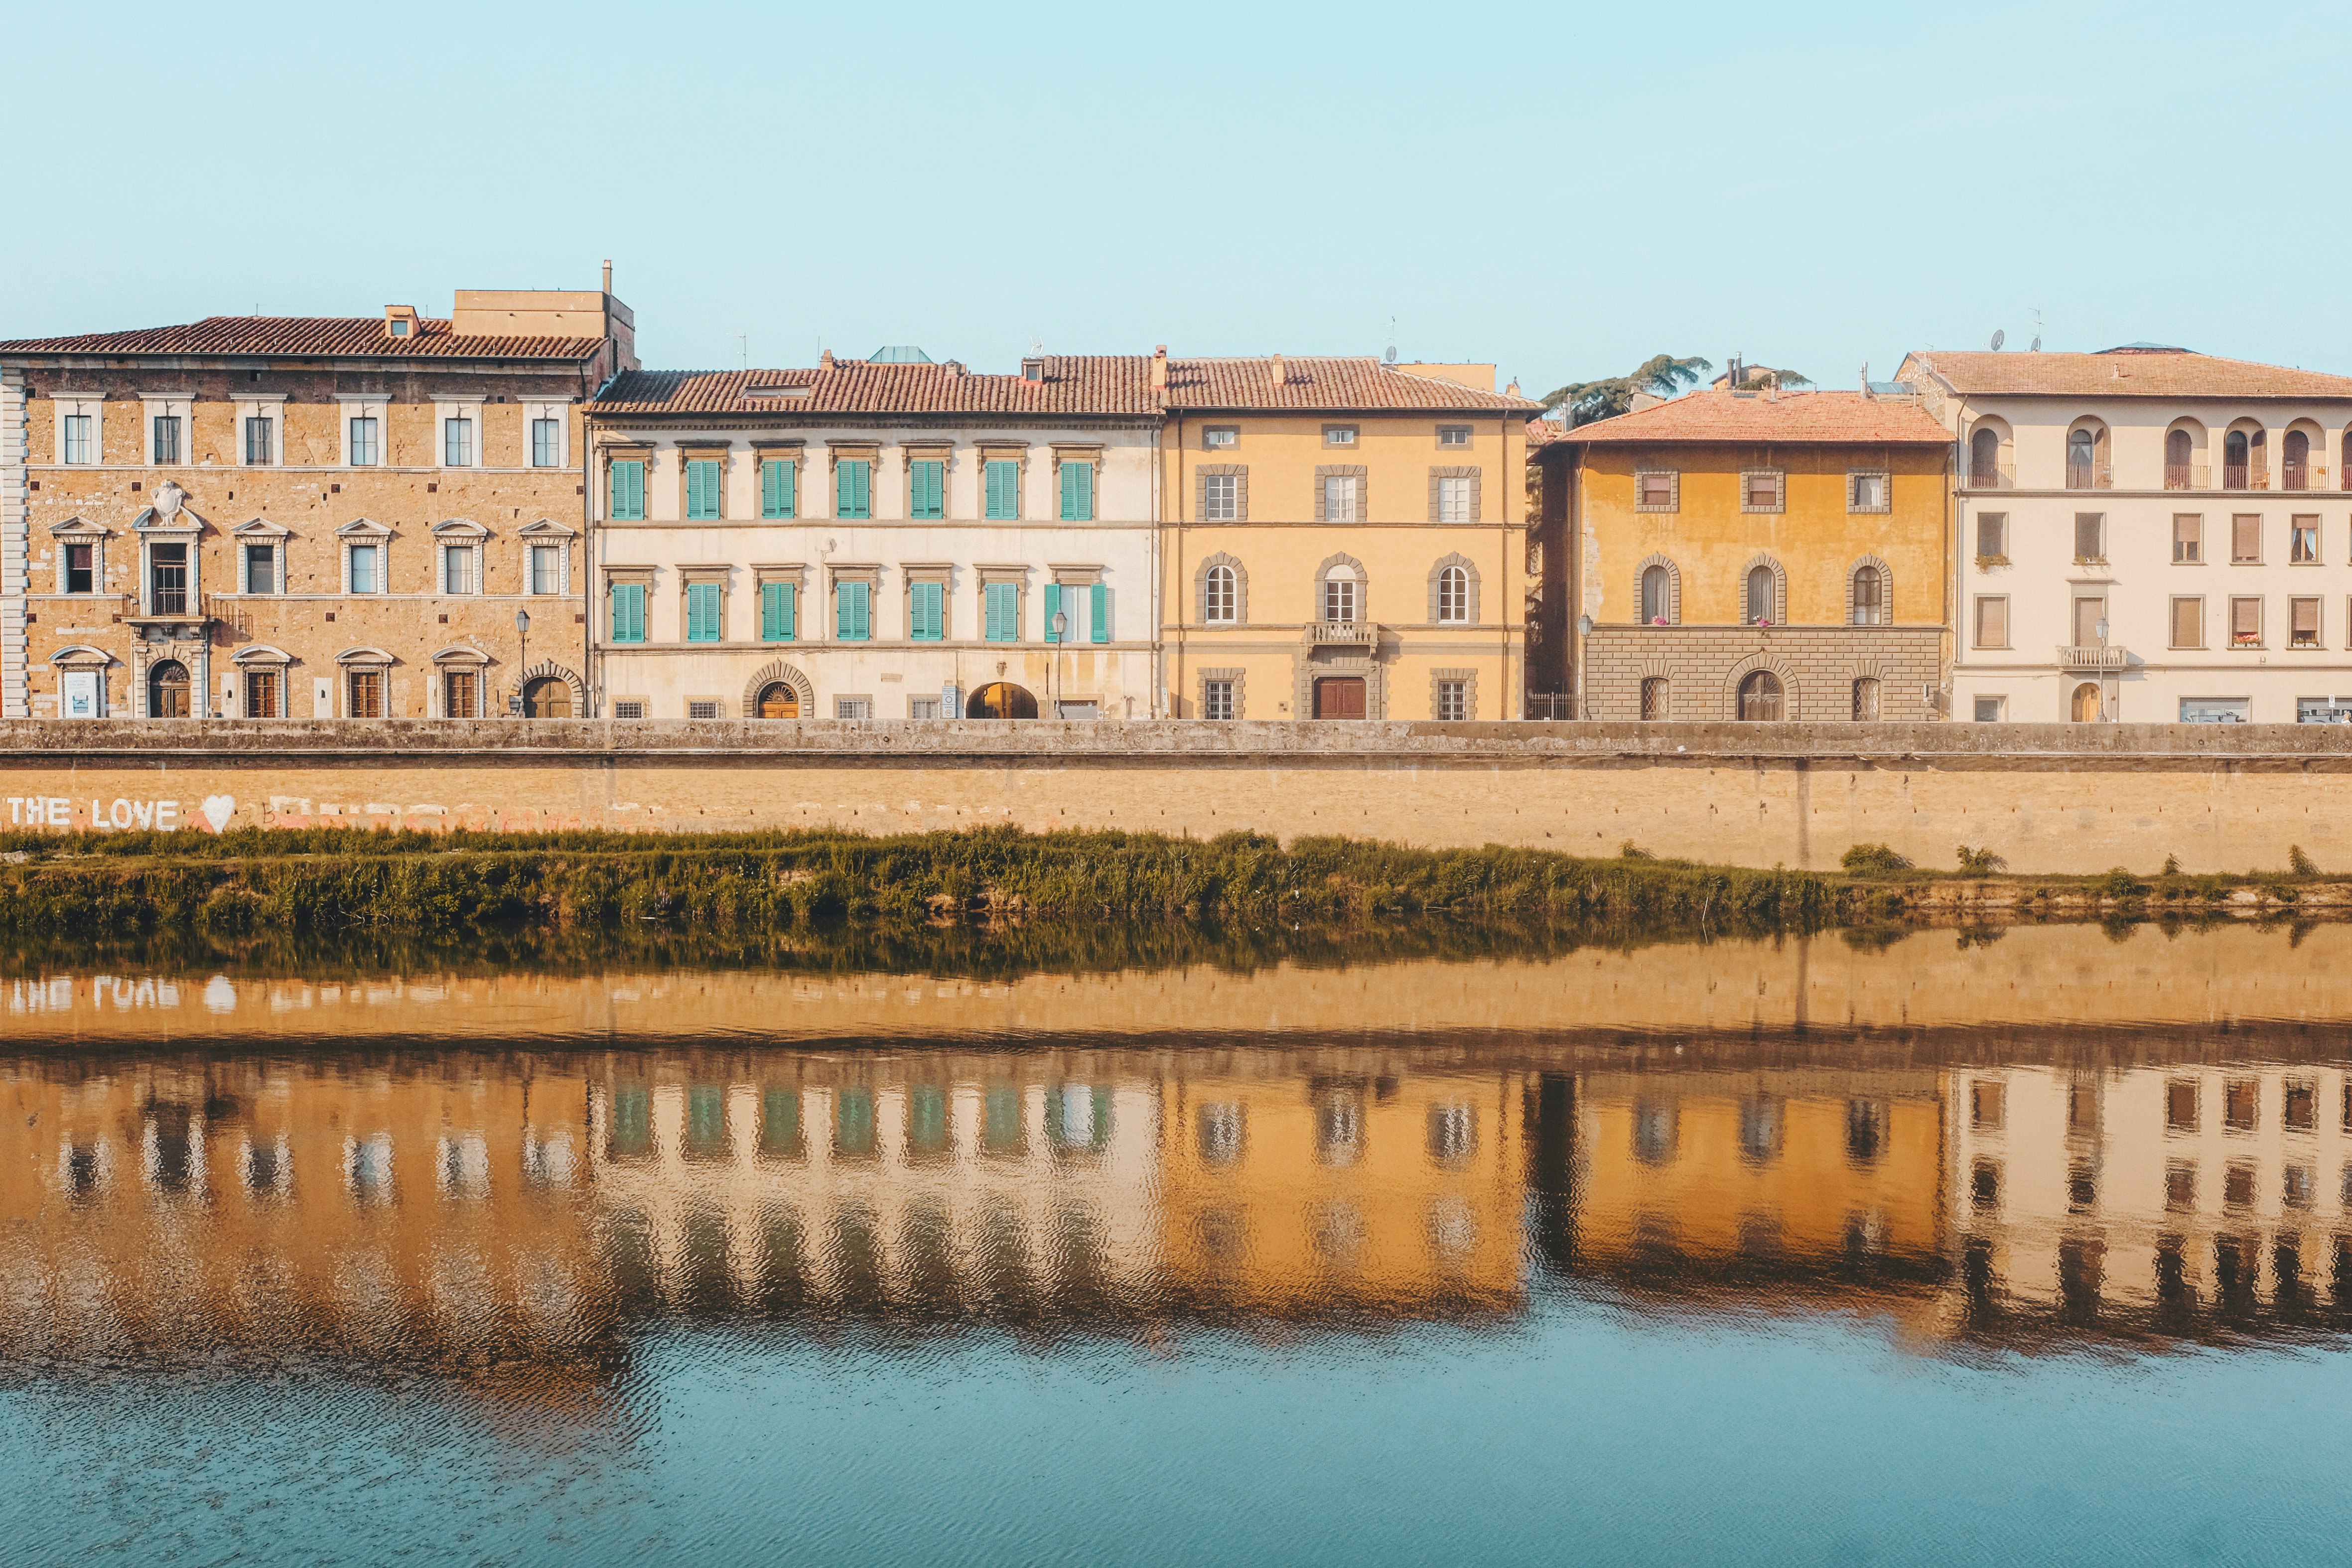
1988	709
1218	438
2246	622
702	612
2216	709
82	569
1869	492
703	488
1221	498
1216	700
167	437
1454	435
922	707
776	488
456	568
366	694
2189	623
260	444
1078	492
1454	499
1653	698
361	451
265	694
626	499
928	612
1002	603
1865	701
629	708
365	575
1654	491
704	709
167	579
852	707
854	611
1340	499
2090	536
628	612
2320	711
779	611
546	442
79	446
1452	700
1992	536
547	568
853	489
461	694
1339	599
2187	539
1339	435
2245	539
2303	541
1004	481
2302	623
927	489
1759	490
1992	620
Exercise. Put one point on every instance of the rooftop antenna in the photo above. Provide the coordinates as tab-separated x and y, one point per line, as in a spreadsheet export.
1999	338
744	341
2037	332
1391	355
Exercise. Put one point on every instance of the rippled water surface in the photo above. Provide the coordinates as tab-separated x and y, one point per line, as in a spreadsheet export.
1953	1249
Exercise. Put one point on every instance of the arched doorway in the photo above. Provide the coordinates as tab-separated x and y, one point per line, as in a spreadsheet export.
778	701
547	698
168	690
1762	698
1001	700
2087	705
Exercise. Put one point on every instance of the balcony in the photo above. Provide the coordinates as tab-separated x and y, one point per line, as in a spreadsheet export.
2092	658
1343	634
2188	476
1996	477
173	615
2090	476
2242	477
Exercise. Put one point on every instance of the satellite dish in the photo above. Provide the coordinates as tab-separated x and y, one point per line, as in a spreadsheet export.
1393	354
1999	338
2035	347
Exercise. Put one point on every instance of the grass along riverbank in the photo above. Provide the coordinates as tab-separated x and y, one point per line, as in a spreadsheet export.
357	882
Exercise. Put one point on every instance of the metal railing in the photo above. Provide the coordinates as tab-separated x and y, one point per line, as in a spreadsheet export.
2187	477
1998	478
2090	475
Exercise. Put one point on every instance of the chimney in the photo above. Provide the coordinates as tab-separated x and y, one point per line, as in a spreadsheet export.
1281	372
825	360
608	275
1160	368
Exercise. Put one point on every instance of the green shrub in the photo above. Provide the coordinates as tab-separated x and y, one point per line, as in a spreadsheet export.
1873	860
1980	862
2300	863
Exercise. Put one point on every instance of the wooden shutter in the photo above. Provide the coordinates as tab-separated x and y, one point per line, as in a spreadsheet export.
628	490
1078	492
1098	613
931	603
628	612
702	612
853	617
1053	608
1003	603
853	489
775	489
776	612
1004	489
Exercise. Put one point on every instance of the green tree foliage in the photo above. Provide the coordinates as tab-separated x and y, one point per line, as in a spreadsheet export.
1663	375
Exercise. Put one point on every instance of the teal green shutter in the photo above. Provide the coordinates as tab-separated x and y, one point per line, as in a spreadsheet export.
628	612
702	612
776	612
854	615
1052	608
775	489
1004	612
927	482
1004	489
854	489
931	608
628	492
1078	492
1098	613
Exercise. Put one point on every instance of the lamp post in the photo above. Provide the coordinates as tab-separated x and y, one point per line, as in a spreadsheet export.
1061	635
2107	701
522	662
1583	630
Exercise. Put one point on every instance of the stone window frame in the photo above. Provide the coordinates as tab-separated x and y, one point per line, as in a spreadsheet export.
1779	587
1363	588
641	575
541	534
1886	479
1370	667
870	575
933	572
363	531
1673	589
351	405
468	407
1469	678
1674	477
791	453
259	658
81	530
1062	579
1791	710
770	673
690	576
1201	589
1236	674
366	659
1090	454
1779	478
641	452
180	406
922	449
1471	597
65	403
269	406
704	449
1356	471
1202	475
457	533
1471	471
1885	590
534	409
1002	451
795	573
1018	576
455	658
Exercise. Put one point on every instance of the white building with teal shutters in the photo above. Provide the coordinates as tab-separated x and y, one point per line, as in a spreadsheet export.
886	538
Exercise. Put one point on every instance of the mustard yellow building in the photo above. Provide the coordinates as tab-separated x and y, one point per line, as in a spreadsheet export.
1756	555
1343	540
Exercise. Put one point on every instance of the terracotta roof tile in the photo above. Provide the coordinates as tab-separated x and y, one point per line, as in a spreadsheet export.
1839	416
305	336
1112	385
2125	372
1336	385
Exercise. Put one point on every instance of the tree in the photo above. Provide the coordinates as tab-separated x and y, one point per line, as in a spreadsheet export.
1663	374
1757	377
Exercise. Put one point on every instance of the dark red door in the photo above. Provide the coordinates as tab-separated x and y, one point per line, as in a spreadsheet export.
1339	697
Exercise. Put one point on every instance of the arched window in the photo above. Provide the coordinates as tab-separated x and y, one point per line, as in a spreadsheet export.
2344	467
1760	696
1869	597
2081	460
2233	460
1759	596
2179	454
1221	596
1341	595
1453	596
1984	459
167	690
1657	596
2294	461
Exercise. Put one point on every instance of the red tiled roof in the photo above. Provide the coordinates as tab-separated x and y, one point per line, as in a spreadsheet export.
1074	384
1334	385
305	336
1834	417
2124	373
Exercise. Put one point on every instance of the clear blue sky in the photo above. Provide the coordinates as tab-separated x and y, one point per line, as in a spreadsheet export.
1564	190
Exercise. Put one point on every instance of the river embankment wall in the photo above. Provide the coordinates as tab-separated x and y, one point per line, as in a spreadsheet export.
2049	798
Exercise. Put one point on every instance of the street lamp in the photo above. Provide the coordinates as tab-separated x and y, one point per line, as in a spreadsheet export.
1061	635
1583	630
522	660
2107	701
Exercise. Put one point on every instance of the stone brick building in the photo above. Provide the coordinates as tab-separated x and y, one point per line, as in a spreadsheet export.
1747	555
292	517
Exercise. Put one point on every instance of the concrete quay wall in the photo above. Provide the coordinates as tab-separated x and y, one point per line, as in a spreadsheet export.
2051	798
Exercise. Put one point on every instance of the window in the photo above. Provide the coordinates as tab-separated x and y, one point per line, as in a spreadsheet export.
547	568
82	569
2299	1107
852	488
1078	492
366	574
1992	620
2246	622
1992	534
1452	700
779	611
853	612
1984	459
457	443
1454	596
628	612
1987	1104
2180	457
2090	536
2236	465
926	611
1339	602
776	488
2187	539
457	569
2302	623
1655	491
1657	596
364	689
265	694
927	489
1221	498
1760	584
922	707
1221	596
1870	608
1453	492
2215	710
546	442
1002	603
1759	490
1869	492
1865	701
705	603
2320	711
2303	540
2294	461
261	438
852	707
1655	693
2081	460
625	487
461	694
1216	700
1002	482
1342	497
703	488
1988	709
702	708
167	438
1454	435
2240	1105
2188	623
2090	609
1339	435
81	446
1218	438
1760	696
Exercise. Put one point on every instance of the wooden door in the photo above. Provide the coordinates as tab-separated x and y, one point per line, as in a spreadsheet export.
1339	697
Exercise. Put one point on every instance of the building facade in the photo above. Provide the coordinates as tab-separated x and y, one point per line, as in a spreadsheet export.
1761	555
333	518
2147	534
888	538
1343	540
